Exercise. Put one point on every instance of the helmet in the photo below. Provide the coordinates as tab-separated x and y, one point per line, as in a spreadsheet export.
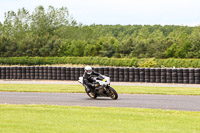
88	69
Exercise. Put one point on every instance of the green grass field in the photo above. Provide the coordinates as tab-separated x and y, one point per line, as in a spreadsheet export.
80	89
67	119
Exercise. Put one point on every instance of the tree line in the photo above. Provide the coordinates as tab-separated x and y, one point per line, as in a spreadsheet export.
54	32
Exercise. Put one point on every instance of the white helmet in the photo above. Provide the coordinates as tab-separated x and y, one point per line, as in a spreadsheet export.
88	69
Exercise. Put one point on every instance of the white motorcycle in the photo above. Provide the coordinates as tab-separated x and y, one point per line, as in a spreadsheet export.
102	88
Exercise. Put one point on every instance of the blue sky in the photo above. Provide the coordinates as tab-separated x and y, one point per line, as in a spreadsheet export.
124	12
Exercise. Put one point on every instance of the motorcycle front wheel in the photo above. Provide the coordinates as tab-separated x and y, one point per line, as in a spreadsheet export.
113	93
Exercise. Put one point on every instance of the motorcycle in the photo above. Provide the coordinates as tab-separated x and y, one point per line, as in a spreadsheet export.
102	88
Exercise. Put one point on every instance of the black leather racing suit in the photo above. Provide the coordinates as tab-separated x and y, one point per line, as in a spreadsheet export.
87	79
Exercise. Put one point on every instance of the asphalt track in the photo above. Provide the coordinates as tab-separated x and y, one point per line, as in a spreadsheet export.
168	102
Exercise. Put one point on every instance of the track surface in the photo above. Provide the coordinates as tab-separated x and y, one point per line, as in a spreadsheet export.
169	102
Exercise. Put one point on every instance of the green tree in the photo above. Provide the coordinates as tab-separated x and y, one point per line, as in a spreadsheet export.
108	45
195	43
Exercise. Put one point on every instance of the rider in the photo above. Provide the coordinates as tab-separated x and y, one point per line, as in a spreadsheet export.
87	78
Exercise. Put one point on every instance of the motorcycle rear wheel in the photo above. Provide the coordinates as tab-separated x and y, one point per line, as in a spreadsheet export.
113	93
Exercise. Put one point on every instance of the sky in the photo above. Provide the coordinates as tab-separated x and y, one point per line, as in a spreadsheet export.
112	12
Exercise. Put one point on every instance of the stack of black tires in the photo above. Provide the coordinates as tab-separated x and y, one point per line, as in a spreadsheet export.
117	74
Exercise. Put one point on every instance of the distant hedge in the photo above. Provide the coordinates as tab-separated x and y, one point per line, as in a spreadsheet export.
103	61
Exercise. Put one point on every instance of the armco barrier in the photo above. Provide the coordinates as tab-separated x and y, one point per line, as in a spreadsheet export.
118	74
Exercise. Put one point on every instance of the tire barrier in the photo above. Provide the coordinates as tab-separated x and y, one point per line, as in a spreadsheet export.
136	75
186	76
163	75
58	76
152	75
142	71
169	75
106	71
45	72
3	73
117	74
36	72
191	76
77	73
131	75
174	76
180	75
68	73
126	74
101	70
72	73
81	71
49	73
147	75
27	71
111	73
121	74
197	76
158	75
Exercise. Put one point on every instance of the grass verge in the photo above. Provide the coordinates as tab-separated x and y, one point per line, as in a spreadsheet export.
49	118
80	89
